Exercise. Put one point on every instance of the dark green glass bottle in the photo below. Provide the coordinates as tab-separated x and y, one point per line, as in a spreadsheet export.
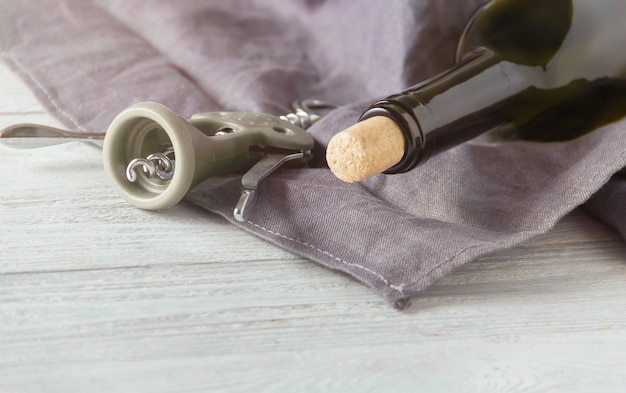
551	69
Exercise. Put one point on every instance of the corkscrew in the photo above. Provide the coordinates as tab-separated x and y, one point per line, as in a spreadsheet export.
153	157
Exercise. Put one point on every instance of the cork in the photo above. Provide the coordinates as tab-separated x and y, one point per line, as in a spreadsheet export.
366	149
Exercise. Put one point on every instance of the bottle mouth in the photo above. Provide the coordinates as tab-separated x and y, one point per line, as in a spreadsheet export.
408	124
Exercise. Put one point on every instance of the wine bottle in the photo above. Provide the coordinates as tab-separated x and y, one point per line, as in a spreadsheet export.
551	70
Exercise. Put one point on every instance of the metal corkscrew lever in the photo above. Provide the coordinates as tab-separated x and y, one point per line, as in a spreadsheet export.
153	157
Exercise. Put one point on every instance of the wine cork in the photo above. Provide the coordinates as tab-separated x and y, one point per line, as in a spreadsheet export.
366	149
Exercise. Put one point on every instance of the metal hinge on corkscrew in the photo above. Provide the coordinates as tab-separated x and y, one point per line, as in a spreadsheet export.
153	157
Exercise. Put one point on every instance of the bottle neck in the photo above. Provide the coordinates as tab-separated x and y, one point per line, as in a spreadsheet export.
448	109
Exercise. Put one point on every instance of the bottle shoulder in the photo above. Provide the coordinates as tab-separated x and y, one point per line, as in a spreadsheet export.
564	36
526	32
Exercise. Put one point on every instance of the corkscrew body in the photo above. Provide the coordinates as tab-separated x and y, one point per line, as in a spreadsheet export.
153	157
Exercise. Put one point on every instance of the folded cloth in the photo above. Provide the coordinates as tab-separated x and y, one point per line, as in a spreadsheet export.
88	60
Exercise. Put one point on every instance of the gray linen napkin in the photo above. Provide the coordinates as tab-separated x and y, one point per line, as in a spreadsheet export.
87	61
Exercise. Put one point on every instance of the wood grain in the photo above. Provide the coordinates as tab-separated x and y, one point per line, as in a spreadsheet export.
98	296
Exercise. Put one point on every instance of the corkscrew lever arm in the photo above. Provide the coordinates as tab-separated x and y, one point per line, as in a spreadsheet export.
251	180
30	136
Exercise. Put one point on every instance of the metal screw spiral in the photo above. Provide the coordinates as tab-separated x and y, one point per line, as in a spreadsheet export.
156	164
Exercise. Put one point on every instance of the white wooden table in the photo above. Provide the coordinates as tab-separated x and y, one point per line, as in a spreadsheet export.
99	296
